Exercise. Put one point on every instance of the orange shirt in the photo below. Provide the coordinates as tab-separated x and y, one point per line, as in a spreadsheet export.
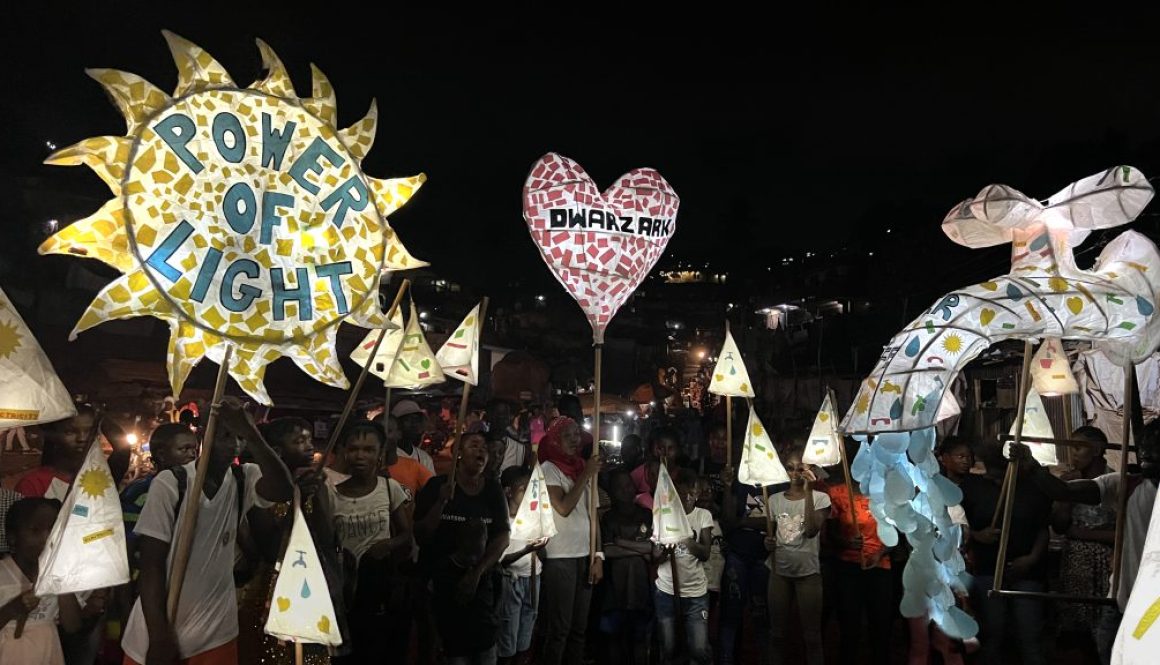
867	526
410	474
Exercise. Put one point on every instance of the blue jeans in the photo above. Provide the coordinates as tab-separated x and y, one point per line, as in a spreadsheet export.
517	616
1025	614
744	580
695	614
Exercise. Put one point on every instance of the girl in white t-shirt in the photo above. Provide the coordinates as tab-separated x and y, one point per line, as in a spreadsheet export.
372	524
800	513
28	524
689	558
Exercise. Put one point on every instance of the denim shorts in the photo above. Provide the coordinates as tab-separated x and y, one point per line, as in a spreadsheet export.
517	616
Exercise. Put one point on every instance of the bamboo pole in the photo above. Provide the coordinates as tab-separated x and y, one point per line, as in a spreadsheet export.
1002	501
298	657
460	424
728	421
593	492
352	397
183	543
1131	395
849	480
1009	500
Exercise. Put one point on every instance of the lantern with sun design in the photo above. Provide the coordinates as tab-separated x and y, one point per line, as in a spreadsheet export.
241	217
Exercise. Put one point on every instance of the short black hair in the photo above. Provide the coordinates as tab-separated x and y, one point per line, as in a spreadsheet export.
514	475
951	442
359	428
166	434
276	431
683	476
663	432
21	512
1090	433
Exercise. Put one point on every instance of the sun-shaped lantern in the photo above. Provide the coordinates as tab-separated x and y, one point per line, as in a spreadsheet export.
241	217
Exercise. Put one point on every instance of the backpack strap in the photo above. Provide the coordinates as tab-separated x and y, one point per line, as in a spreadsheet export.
240	481
182	478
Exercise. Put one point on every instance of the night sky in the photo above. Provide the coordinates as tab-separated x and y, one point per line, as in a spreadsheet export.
781	133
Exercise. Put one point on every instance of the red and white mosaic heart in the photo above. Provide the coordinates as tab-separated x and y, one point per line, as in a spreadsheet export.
600	246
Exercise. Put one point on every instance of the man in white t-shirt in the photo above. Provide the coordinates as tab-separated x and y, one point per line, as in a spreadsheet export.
692	582
412	421
207	614
1105	490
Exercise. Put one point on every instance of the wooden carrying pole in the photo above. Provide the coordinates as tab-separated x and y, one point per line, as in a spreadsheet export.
849	482
593	493
183	543
1131	397
352	397
461	423
1009	499
768	512
728	421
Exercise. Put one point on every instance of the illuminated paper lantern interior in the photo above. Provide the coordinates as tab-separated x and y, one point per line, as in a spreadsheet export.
415	365
1036	424
729	375
760	464
31	393
381	363
1138	638
459	355
86	547
670	522
1051	371
300	608
822	445
534	519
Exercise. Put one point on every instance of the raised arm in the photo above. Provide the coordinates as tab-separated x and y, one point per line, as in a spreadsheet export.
1076	491
565	503
275	483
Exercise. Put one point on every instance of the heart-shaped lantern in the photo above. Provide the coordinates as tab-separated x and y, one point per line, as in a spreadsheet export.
600	246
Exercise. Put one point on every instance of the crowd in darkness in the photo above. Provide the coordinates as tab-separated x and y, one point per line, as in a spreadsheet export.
421	566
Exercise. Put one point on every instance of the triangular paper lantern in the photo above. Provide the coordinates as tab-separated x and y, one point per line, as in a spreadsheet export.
300	609
730	376
415	365
759	462
1035	423
1050	373
86	548
30	392
822	446
459	356
381	365
1138	638
534	519
670	522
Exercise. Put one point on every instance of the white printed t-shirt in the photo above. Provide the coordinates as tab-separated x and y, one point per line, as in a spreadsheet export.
572	538
690	572
207	615
361	522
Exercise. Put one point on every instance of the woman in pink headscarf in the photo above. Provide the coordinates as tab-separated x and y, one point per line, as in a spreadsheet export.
568	578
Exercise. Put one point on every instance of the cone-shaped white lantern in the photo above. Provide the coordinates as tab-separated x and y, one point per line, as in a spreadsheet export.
1050	373
459	355
30	393
1035	423
670	522
381	364
759	462
415	365
730	376
1138	638
301	609
822	446
534	518
86	548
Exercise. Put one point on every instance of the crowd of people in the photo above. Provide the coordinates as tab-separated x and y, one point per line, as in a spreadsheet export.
415	542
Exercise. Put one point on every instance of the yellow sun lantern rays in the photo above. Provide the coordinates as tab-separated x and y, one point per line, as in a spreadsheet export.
240	216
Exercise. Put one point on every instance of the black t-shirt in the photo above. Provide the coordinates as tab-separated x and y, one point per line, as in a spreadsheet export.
1030	514
470	628
631	586
749	544
489	506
